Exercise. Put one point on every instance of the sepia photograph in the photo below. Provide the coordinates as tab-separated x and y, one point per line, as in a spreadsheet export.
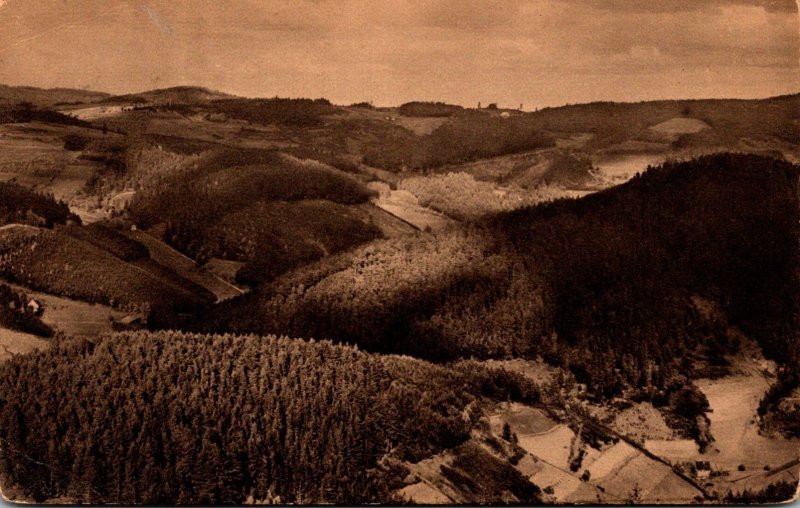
399	252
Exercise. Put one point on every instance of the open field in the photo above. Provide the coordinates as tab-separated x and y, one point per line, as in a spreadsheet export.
419	125
423	493
734	401
14	343
524	420
89	113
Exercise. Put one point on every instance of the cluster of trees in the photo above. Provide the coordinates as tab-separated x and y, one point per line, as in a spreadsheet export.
429	109
289	112
276	236
777	413
15	314
21	205
602	286
463	138
217	419
780	492
462	197
75	142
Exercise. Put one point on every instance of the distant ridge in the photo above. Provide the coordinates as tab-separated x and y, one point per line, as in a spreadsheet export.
175	94
48	96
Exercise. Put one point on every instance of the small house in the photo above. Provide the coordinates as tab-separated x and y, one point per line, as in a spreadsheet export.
35	307
702	469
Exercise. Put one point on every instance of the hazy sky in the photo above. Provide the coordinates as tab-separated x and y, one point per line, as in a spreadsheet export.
535	52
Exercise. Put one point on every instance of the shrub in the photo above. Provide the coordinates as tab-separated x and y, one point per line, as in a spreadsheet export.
75	142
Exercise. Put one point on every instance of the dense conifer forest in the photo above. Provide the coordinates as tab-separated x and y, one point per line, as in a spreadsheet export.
21	205
214	419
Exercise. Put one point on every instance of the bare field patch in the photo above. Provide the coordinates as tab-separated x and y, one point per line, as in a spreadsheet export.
680	125
420	125
642	422
536	370
14	343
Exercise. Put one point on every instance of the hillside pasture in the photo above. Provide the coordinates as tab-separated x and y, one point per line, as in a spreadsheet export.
734	403
524	420
73	317
552	445
680	125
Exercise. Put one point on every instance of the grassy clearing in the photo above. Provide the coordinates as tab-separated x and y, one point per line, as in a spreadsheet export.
650	478
734	402
524	420
552	446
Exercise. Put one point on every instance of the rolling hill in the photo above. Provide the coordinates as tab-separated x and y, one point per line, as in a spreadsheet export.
604	282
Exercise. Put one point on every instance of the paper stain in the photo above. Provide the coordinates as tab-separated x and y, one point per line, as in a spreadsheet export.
159	21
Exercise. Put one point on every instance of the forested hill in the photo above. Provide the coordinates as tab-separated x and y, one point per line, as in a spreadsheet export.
625	265
166	418
607	285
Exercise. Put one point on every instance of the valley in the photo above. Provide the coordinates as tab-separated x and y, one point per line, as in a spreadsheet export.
559	306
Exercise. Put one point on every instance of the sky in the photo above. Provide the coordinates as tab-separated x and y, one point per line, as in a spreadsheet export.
531	52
